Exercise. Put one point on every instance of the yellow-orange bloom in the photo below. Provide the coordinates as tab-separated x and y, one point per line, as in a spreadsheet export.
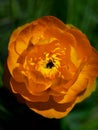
52	66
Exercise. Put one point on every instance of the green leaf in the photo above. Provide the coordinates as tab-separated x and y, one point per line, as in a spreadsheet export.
15	9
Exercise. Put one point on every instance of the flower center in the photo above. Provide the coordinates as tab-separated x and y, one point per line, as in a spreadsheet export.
49	64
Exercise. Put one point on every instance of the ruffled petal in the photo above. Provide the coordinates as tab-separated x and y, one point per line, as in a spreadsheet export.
82	45
89	89
51	109
12	58
20	88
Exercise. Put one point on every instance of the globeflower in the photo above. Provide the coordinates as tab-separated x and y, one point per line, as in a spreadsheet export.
51	65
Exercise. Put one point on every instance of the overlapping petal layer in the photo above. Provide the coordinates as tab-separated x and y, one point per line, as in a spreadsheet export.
52	66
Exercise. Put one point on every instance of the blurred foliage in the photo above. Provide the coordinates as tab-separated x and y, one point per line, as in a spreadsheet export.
13	13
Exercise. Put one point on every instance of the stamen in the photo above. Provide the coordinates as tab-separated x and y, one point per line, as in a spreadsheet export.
49	64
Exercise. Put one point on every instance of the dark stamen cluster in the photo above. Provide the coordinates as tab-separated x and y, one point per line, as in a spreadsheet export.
49	64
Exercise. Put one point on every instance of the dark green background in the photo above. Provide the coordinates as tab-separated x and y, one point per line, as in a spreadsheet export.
14	13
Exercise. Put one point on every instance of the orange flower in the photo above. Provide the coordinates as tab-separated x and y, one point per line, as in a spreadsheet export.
52	66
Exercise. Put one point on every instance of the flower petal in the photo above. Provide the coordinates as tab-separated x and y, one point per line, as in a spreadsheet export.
90	88
82	42
20	88
51	109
